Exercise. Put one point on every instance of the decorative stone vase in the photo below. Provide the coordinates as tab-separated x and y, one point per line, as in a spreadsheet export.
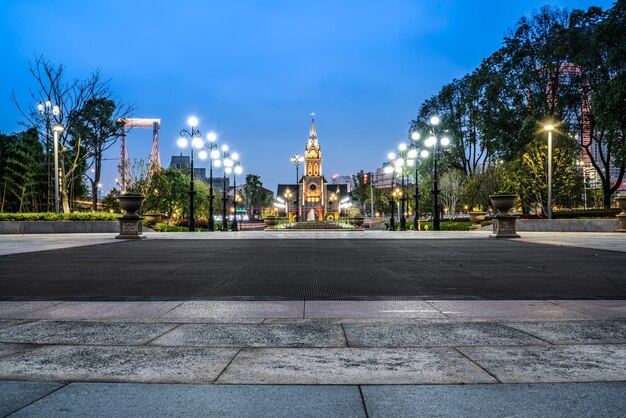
153	217
270	221
621	203
503	221
130	222
476	217
356	221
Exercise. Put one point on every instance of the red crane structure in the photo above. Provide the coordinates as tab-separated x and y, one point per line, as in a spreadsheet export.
126	175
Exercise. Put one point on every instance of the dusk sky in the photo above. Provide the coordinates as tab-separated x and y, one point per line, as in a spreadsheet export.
252	71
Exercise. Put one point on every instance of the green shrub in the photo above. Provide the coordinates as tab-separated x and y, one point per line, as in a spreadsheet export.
49	216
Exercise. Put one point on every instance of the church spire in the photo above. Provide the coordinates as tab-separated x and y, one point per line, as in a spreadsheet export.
313	133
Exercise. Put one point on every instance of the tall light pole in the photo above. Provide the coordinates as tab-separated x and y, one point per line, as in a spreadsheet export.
213	154
48	109
297	160
225	159
390	169
58	128
196	142
236	169
549	128
288	194
436	142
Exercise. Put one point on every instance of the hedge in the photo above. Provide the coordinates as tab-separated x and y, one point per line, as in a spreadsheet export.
50	216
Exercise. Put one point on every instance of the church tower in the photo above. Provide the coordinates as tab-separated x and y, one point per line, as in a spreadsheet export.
313	185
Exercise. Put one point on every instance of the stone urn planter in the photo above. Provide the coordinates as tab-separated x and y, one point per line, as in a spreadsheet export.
357	221
130	222
621	203
503	221
270	221
153	218
476	217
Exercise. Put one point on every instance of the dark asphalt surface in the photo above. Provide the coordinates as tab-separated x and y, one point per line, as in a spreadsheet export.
309	269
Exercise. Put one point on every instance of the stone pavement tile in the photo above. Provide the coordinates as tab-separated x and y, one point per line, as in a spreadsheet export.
370	309
7	323
242	335
551	364
336	321
142	400
85	332
15	395
340	366
435	334
522	400
19	309
517	309
227	310
596	308
575	332
104	310
118	364
8	349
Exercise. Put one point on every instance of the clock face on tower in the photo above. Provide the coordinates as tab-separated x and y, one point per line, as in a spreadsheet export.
312	154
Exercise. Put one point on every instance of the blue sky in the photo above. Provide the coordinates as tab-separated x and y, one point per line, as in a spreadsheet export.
252	71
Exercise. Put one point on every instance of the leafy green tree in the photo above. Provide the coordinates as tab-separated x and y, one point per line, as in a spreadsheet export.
98	124
255	196
22	172
526	176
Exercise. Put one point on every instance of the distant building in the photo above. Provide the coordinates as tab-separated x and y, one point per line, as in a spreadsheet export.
338	179
383	180
184	161
313	198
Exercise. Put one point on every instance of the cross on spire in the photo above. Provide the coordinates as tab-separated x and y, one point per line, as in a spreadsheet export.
312	114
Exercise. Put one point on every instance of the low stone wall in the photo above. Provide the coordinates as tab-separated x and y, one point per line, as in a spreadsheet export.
58	227
567	225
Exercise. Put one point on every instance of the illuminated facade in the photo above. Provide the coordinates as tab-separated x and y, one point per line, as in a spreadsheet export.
316	198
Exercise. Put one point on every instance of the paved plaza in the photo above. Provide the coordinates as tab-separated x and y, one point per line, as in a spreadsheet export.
375	324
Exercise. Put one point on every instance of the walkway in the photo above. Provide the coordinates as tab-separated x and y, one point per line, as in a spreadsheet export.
443	353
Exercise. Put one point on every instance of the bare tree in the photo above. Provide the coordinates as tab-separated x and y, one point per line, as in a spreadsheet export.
76	150
451	188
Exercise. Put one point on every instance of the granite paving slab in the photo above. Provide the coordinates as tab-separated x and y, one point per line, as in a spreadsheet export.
6	323
576	332
596	308
370	309
118	364
104	310
435	334
85	332
506	309
8	349
485	401
339	366
15	395
228	310
242	335
19	309
141	400
550	364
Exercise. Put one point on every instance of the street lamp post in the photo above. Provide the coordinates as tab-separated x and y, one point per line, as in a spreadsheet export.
226	160
58	128
434	141
213	154
236	170
48	110
196	142
288	195
297	160
400	166
549	128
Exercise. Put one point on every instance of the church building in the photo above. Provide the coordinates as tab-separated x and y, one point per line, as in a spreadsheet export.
315	200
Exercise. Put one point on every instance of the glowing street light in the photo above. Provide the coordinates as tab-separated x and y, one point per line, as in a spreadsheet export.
58	128
210	150
196	142
297	160
549	128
